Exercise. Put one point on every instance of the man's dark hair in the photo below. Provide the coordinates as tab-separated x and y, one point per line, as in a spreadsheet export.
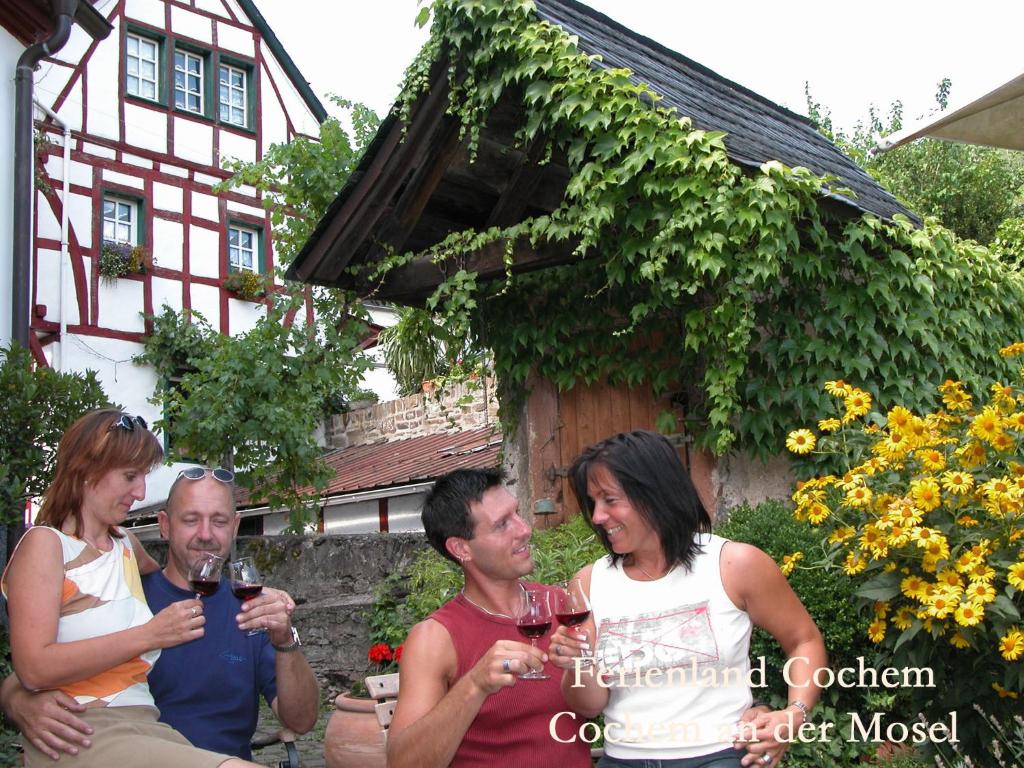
446	508
654	480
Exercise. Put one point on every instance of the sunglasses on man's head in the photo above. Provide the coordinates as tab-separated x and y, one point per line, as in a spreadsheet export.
198	473
129	422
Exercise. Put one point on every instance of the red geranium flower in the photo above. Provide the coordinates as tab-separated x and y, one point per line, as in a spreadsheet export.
398	652
379	653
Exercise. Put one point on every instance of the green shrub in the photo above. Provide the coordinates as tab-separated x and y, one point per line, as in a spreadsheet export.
829	598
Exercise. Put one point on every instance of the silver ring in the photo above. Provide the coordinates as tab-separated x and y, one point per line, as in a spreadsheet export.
194	614
506	665
558	650
766	758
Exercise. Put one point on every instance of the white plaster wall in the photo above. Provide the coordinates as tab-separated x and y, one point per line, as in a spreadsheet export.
203	251
250	210
275	128
205	178
47	224
205	207
205	299
80	217
166	292
168	242
76	46
188	24
48	282
101	75
98	150
10	50
120	305
212	6
243	315
380	381
167	197
149	11
70	111
174	170
193	141
236	39
49	80
741	479
131	159
145	127
235	146
302	119
80	173
124	179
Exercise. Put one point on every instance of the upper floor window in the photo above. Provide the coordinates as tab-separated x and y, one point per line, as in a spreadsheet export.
243	255
120	220
188	81
143	67
233	95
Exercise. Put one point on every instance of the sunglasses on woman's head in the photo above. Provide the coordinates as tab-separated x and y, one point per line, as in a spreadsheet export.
198	473
129	422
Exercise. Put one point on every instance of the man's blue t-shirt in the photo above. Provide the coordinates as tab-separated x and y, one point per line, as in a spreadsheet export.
208	689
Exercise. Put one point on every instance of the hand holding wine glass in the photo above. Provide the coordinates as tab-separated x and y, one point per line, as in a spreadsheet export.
204	574
533	620
246	583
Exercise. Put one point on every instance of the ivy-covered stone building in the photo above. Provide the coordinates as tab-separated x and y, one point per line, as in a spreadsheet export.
643	243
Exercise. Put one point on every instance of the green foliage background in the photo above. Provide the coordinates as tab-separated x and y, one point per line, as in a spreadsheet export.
36	405
740	290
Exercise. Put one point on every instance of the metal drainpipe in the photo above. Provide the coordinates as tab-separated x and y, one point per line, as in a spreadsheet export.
58	362
64	12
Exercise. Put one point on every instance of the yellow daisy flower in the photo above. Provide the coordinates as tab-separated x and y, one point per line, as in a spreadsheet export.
1003	693
854	563
913	587
858	496
789	562
969	614
899	418
931	460
837	388
957	640
1011	645
801	441
903	618
876	631
818	513
925	493
986	425
829	425
1015	575
841	534
1012	350
857	403
980	592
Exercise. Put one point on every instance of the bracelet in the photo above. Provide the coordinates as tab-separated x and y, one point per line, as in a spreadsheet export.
759	703
802	707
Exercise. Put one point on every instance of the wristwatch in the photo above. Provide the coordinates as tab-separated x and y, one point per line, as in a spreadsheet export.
294	645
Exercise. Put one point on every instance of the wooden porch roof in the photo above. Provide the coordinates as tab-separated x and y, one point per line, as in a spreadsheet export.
410	192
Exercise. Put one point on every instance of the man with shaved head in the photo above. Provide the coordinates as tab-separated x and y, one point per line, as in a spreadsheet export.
207	689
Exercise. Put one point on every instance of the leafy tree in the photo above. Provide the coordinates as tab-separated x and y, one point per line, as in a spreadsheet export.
970	189
257	397
36	405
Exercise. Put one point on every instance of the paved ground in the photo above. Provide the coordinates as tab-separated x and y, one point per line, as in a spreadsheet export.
310	746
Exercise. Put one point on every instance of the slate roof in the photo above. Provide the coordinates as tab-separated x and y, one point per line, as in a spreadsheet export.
757	128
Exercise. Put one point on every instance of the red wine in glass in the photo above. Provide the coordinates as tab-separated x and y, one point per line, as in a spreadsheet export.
572	609
246	591
534	631
246	582
573	618
204	574
533	620
203	587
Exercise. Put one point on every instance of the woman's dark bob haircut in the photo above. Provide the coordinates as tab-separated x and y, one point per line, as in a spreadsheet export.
654	480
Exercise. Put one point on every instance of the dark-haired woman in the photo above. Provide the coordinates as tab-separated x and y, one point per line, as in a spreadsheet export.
78	617
673	606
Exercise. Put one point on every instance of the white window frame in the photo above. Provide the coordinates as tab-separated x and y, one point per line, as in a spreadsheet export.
185	92
141	80
237	251
226	90
117	223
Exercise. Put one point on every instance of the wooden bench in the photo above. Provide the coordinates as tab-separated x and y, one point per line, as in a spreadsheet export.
384	689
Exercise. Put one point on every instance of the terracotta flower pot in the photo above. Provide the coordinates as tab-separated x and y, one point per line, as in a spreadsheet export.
354	738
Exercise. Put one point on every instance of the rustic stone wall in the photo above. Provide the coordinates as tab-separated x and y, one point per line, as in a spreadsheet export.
467	405
331	579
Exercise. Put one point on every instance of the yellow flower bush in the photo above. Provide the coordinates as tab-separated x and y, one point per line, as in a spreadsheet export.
926	512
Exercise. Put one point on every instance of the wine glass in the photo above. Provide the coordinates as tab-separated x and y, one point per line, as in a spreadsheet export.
572	608
246	583
533	620
204	574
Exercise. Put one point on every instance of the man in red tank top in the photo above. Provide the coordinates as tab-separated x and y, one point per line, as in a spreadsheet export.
461	701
